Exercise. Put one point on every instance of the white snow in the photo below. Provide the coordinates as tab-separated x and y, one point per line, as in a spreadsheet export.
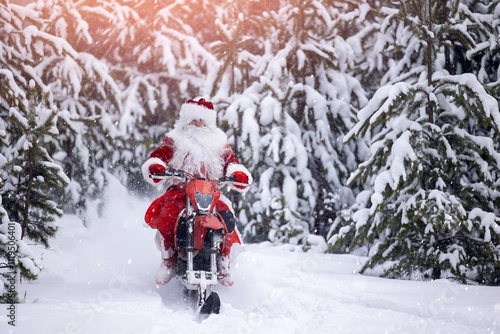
100	279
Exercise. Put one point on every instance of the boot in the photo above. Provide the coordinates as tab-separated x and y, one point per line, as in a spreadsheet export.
166	270
169	258
223	265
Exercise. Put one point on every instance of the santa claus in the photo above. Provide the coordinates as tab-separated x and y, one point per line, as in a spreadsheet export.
198	147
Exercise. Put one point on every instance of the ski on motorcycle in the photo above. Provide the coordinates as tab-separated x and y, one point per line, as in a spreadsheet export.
200	237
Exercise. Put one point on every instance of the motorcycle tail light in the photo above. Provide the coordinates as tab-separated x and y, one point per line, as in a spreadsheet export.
204	201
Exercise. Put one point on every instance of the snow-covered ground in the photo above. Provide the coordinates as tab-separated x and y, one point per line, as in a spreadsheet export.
101	280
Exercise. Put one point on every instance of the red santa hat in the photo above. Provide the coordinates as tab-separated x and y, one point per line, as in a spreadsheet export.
201	109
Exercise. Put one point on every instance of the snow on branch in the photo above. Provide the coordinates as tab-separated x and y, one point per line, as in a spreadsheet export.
488	103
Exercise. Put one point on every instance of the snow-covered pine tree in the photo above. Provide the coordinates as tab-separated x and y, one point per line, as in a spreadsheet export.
434	168
16	260
19	38
373	61
31	175
290	119
236	49
332	55
87	97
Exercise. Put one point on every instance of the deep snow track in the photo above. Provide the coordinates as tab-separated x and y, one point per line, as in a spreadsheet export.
101	280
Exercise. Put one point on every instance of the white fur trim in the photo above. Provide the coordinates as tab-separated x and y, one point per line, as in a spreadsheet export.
145	170
239	168
191	111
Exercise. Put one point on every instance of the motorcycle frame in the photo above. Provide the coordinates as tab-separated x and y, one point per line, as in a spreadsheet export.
197	217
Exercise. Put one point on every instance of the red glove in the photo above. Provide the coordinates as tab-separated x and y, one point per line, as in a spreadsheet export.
156	169
241	178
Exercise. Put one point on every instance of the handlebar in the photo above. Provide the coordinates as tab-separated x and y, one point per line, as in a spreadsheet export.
172	173
178	174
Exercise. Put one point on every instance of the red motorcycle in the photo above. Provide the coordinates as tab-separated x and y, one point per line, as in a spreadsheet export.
200	237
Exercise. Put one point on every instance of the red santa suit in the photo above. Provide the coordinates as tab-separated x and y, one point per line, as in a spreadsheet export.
202	151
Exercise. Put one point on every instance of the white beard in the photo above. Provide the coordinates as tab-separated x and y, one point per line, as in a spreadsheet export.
199	150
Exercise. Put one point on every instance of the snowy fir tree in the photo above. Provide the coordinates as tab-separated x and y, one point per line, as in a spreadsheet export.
22	45
30	173
16	259
289	122
88	98
433	212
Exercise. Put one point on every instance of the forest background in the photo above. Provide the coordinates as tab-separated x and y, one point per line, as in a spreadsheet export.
369	126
